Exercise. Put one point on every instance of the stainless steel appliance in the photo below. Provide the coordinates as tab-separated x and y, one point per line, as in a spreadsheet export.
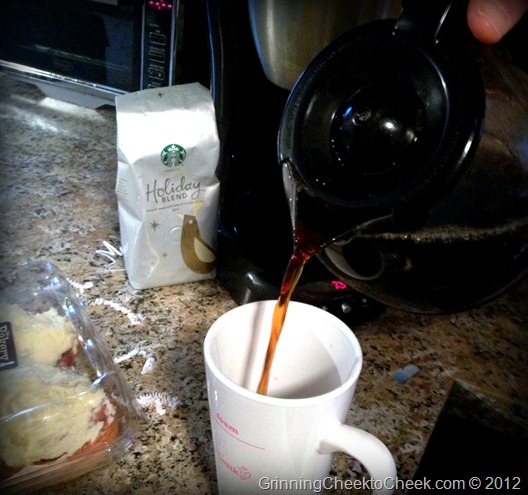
288	34
89	51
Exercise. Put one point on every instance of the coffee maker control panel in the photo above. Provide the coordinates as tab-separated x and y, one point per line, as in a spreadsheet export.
338	298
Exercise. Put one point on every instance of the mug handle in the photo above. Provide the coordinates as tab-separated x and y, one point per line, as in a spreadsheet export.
367	449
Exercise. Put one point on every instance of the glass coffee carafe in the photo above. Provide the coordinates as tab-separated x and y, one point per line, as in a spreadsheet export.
404	146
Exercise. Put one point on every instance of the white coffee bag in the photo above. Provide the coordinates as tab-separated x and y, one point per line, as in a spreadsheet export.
167	191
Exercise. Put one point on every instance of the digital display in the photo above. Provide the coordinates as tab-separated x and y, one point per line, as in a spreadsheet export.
338	285
160	4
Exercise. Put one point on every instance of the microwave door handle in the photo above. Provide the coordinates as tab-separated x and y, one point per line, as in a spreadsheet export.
115	3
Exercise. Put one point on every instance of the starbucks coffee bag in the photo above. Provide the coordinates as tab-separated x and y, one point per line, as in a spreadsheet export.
167	191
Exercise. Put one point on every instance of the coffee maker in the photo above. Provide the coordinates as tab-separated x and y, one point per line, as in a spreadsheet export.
258	53
255	232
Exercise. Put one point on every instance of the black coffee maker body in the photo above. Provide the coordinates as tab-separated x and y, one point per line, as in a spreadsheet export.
255	231
408	257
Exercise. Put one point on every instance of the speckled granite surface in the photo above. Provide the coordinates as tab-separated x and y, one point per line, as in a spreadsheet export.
58	169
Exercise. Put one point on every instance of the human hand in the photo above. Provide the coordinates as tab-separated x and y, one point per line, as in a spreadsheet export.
490	20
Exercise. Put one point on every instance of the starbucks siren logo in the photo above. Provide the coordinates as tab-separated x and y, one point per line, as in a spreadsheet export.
173	155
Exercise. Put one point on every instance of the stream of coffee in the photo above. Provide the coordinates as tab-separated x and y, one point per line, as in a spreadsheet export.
306	244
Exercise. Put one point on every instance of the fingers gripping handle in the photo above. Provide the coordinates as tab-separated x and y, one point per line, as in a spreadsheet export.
368	450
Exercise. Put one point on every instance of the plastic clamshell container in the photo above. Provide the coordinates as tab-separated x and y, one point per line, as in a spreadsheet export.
64	406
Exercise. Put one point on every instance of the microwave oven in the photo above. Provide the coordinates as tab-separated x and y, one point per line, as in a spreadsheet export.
89	51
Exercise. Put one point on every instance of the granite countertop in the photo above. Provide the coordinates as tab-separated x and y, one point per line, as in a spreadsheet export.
58	168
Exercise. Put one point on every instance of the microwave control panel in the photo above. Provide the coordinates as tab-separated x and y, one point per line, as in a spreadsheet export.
160	40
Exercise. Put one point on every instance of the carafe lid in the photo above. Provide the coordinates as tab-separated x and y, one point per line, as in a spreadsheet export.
388	114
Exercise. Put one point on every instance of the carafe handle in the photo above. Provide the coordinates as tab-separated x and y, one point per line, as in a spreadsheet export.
422	21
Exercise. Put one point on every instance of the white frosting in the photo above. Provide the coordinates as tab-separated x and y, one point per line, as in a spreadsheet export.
39	338
47	412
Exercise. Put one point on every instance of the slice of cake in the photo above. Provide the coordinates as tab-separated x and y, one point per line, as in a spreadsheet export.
50	408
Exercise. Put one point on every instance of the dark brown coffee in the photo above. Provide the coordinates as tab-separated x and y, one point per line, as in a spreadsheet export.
306	244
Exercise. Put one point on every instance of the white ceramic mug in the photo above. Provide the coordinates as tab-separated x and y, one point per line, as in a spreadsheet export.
284	441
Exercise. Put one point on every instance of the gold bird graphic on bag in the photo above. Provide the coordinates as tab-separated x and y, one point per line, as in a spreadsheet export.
196	253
